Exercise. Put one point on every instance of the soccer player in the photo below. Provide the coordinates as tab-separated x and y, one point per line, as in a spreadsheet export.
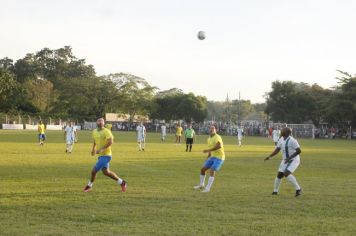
103	140
141	136
276	134
290	160
163	132
190	137
179	132
70	135
240	132
41	133
216	157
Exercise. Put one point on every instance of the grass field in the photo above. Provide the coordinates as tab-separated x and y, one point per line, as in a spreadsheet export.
41	189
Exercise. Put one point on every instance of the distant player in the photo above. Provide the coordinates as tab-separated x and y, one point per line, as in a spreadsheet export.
179	131
103	140
70	135
190	137
216	157
290	160
141	136
240	132
163	132
41	133
276	134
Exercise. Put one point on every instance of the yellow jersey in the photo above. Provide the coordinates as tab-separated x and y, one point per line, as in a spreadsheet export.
41	128
212	141
101	138
179	131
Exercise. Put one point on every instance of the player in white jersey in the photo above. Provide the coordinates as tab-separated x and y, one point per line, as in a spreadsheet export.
141	136
276	134
163	132
70	135
290	160
240	132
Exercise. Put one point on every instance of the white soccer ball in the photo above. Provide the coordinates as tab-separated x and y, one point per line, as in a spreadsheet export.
201	35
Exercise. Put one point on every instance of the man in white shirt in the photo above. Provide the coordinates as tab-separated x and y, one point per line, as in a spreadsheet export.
141	136
276	134
290	160
240	132
70	135
163	132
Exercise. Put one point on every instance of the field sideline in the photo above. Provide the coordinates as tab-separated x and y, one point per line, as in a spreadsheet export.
41	189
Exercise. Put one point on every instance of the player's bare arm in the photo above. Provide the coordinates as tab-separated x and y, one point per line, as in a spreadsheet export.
217	147
275	152
93	149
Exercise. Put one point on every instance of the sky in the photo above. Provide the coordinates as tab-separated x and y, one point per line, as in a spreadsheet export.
249	43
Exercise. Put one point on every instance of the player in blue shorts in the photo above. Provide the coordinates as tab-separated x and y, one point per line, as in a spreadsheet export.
216	157
103	139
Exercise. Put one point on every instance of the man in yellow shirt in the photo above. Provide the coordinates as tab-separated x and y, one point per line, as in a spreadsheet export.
103	139
41	132
179	132
216	157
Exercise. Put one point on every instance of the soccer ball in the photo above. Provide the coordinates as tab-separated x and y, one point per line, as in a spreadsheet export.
201	35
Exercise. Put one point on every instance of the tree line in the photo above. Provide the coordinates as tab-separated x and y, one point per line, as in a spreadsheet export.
56	83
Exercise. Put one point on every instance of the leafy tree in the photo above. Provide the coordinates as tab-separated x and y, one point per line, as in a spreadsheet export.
9	91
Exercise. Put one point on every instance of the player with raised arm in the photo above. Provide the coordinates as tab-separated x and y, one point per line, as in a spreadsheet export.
290	160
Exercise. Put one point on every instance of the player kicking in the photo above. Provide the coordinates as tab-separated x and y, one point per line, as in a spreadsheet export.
41	133
103	139
141	136
290	160
216	157
70	135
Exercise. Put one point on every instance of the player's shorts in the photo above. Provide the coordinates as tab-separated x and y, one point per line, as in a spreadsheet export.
141	139
103	162
189	141
239	137
42	136
213	163
290	166
70	140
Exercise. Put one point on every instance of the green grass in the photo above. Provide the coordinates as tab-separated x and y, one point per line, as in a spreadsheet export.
41	189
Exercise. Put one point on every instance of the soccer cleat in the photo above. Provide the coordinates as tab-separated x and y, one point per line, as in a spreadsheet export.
205	190
123	186
87	188
298	192
197	187
275	193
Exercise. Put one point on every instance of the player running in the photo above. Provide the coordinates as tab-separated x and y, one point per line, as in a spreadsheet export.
70	135
190	137
41	133
141	136
290	160
103	140
215	160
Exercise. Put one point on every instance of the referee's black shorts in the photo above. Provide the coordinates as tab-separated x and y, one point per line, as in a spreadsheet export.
189	141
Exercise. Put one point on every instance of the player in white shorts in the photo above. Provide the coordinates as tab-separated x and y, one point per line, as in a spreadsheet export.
70	135
276	134
141	136
290	160
163	132
239	135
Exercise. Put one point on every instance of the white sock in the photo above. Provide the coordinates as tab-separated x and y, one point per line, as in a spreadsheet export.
277	183
139	146
210	182
143	145
70	147
90	184
119	181
202	180
293	181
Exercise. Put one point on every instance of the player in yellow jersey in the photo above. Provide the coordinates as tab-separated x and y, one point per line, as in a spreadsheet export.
216	157
103	139
41	132
179	131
